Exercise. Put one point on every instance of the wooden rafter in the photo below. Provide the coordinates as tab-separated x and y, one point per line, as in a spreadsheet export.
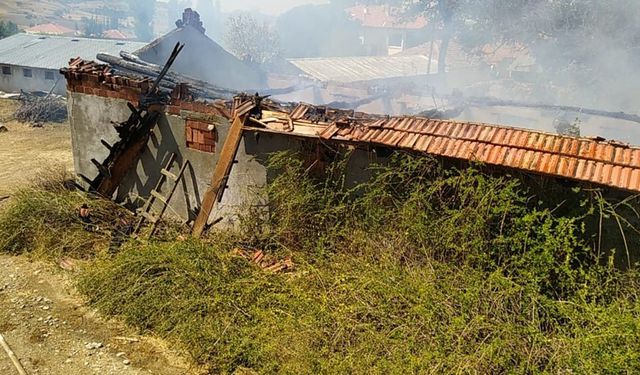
220	174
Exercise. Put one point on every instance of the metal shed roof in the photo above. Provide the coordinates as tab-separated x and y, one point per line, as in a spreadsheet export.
54	52
364	68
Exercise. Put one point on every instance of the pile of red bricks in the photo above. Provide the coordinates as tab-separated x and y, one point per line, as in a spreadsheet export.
91	78
88	77
200	136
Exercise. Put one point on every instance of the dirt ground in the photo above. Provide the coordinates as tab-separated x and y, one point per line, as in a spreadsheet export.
52	331
42	317
25	151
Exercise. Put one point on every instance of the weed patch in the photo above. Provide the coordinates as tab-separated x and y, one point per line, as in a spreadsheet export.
419	270
43	220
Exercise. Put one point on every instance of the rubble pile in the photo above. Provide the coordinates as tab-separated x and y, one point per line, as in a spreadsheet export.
36	109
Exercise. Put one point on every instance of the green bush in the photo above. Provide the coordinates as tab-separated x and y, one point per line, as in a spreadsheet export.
358	315
421	269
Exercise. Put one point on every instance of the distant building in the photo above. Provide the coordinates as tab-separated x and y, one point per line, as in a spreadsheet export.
51	29
378	84
359	69
385	32
466	67
115	34
501	58
202	58
32	62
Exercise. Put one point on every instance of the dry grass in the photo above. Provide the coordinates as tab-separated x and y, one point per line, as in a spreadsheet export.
25	151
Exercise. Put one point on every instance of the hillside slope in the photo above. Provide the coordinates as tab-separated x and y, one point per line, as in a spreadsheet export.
68	13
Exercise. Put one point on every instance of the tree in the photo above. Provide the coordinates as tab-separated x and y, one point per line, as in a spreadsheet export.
250	41
8	28
142	11
92	28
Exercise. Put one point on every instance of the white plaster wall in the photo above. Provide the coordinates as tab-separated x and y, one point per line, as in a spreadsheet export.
16	81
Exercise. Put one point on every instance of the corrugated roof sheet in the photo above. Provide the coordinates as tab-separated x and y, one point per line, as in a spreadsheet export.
363	68
54	52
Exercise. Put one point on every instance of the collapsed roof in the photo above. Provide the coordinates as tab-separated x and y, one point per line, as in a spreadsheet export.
582	159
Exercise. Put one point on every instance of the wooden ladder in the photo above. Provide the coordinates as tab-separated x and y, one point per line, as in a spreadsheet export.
155	195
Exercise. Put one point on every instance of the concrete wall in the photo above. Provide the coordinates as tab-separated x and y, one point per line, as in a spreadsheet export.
16	81
90	118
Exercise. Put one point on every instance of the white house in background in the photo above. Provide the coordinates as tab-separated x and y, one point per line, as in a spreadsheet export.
383	31
32	62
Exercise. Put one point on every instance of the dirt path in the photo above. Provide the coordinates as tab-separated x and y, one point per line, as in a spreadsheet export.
24	151
53	332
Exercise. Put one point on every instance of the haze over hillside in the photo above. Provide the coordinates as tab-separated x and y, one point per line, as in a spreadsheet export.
270	7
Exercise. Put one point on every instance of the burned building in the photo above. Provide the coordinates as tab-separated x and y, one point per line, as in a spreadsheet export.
215	151
202	58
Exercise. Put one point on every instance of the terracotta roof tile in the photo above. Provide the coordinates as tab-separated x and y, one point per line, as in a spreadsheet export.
616	173
552	166
564	167
607	172
422	143
635	158
434	146
634	183
558	144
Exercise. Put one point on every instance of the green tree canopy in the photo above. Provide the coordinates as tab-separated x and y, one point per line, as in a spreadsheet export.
8	28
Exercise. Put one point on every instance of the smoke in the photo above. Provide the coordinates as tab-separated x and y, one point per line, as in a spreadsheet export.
574	53
586	53
563	52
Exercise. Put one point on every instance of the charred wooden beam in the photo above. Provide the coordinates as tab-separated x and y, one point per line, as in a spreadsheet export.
220	175
493	102
198	87
134	135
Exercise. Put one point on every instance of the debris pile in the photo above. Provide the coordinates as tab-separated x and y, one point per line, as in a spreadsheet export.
266	262
37	109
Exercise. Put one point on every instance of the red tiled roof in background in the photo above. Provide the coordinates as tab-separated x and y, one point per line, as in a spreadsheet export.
384	17
50	29
114	34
